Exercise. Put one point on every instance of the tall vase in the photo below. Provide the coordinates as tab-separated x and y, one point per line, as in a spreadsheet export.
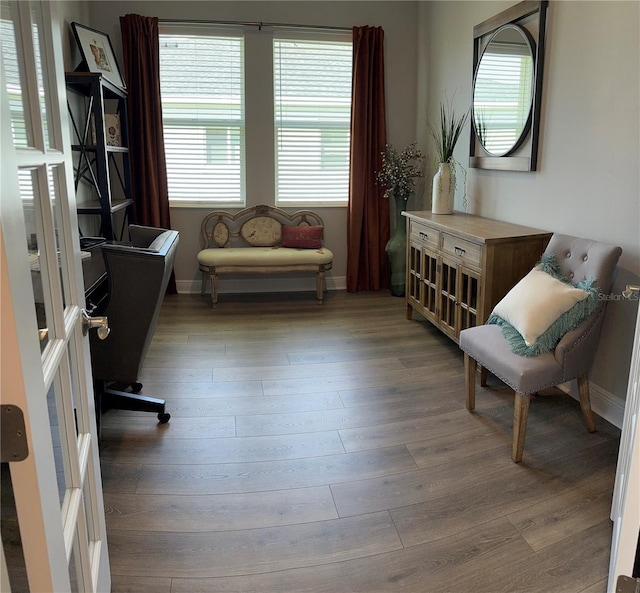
396	249
444	189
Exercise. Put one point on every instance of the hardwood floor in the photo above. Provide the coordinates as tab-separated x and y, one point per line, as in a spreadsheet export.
328	449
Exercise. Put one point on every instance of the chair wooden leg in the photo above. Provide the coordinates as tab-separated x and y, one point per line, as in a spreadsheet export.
483	377
470	381
520	415
585	402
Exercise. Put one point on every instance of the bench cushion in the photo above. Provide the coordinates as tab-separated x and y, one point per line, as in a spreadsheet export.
264	256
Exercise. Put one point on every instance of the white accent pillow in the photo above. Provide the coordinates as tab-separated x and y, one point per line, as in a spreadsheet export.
533	304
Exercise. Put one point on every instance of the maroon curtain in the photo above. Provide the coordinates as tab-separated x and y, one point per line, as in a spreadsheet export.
141	52
368	213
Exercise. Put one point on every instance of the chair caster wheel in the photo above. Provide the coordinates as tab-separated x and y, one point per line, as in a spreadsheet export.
136	387
163	418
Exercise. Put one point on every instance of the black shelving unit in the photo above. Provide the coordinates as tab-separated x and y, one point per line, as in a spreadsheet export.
102	167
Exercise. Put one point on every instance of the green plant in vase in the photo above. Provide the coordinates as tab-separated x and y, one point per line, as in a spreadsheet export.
446	136
398	175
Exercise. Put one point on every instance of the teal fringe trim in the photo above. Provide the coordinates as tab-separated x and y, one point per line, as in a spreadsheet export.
549	265
569	320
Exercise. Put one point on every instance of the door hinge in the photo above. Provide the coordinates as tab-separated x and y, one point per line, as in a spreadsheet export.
13	436
627	585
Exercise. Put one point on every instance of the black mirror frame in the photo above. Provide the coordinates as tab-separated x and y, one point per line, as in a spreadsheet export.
527	160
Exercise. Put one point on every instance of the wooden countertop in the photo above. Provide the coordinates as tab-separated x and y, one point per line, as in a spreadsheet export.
475	228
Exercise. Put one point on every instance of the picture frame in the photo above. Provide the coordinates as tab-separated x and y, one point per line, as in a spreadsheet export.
97	53
112	130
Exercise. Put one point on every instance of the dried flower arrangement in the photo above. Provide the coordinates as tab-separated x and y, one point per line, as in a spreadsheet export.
400	170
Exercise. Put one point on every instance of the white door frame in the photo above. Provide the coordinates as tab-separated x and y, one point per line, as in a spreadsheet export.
53	534
625	509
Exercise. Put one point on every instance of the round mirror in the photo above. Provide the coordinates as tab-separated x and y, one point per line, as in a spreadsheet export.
503	90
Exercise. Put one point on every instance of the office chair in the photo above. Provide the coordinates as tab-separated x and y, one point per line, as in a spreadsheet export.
138	275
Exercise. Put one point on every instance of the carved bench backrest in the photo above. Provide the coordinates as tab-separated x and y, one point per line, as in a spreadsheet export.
258	226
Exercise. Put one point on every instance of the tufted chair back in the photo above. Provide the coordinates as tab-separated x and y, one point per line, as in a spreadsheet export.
582	259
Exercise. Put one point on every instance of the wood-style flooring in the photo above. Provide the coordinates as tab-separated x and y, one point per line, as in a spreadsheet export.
327	448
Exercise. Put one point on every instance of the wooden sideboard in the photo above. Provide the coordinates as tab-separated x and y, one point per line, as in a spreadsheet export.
460	265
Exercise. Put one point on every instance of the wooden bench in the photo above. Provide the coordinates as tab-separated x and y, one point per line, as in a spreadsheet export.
262	240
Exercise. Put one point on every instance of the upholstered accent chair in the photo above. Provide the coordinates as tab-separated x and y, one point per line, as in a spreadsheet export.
579	260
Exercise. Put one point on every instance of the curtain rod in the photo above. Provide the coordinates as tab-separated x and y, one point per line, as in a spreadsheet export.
258	24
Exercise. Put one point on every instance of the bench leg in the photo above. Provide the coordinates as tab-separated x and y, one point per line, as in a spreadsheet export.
203	284
320	287
214	288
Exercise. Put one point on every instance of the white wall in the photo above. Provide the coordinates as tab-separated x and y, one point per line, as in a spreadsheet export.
399	21
71	11
587	183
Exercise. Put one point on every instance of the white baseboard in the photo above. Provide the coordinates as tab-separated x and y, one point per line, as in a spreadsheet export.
605	404
262	284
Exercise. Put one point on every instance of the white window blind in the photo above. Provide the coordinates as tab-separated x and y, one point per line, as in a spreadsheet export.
12	65
312	103
202	86
503	94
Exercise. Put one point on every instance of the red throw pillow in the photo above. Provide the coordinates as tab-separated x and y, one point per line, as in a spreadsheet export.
302	237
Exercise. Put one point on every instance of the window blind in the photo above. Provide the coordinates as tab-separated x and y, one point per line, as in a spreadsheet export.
12	64
505	80
202	87
312	104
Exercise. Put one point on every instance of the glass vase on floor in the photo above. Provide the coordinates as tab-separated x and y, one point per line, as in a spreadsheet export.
396	248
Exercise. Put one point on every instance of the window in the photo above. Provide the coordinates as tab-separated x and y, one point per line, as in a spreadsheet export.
312	101
202	81
306	116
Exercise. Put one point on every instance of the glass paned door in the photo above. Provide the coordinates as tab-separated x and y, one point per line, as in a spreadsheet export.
468	298
447	306
415	274
430	285
45	364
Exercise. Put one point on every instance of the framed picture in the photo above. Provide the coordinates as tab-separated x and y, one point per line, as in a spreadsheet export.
112	133
97	52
